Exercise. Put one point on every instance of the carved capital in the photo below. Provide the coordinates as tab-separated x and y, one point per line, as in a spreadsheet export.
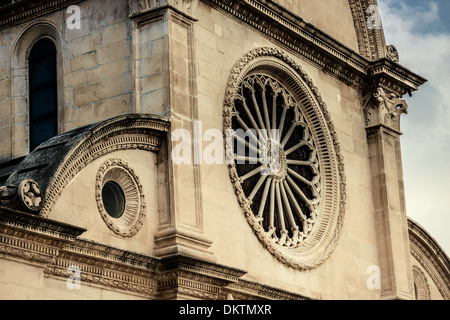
187	7
383	108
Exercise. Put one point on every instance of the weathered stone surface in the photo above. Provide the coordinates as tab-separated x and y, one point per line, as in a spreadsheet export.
139	72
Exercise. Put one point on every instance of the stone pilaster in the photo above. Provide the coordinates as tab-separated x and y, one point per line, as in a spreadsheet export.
165	84
383	111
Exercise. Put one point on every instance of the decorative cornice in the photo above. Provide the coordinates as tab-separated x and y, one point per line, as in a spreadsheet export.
57	249
187	8
392	77
183	277
24	10
247	290
38	225
33	238
109	267
329	55
359	70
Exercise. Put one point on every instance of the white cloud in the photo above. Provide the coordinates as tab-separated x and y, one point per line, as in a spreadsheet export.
426	143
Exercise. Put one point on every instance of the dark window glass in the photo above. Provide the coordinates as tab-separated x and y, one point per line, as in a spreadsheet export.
43	93
113	199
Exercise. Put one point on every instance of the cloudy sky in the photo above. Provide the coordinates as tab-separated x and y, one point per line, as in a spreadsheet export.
420	30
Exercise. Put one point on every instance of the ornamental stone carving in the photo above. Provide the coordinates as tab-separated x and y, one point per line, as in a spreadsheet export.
128	219
393	54
138	7
383	108
280	173
293	191
30	195
27	195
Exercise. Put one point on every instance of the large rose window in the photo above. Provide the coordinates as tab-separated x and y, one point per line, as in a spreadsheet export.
276	160
284	158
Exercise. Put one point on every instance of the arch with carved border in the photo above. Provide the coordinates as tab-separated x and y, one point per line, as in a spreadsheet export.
431	257
128	132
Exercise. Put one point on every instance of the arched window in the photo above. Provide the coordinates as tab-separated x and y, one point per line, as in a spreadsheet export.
43	112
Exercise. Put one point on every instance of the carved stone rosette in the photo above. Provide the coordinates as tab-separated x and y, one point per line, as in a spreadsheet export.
26	196
30	195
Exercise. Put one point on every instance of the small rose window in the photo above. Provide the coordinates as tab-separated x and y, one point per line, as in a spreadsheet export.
119	198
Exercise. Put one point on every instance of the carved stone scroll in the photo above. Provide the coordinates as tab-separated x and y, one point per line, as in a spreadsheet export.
383	108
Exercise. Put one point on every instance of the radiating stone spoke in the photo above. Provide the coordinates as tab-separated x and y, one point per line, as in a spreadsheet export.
298	162
298	191
264	198
266	115
282	120
295	148
280	207
251	133
289	134
287	205
257	187
252	173
294	202
262	126
248	145
299	177
252	120
274	113
272	206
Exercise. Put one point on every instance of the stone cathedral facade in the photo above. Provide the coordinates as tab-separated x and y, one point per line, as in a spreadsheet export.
205	149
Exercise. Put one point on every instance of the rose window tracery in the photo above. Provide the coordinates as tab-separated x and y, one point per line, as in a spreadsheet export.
284	158
276	160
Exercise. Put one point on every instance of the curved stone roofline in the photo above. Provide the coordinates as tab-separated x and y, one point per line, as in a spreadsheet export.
45	170
429	242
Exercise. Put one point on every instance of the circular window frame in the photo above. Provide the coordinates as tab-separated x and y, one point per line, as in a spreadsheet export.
131	220
323	239
112	189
